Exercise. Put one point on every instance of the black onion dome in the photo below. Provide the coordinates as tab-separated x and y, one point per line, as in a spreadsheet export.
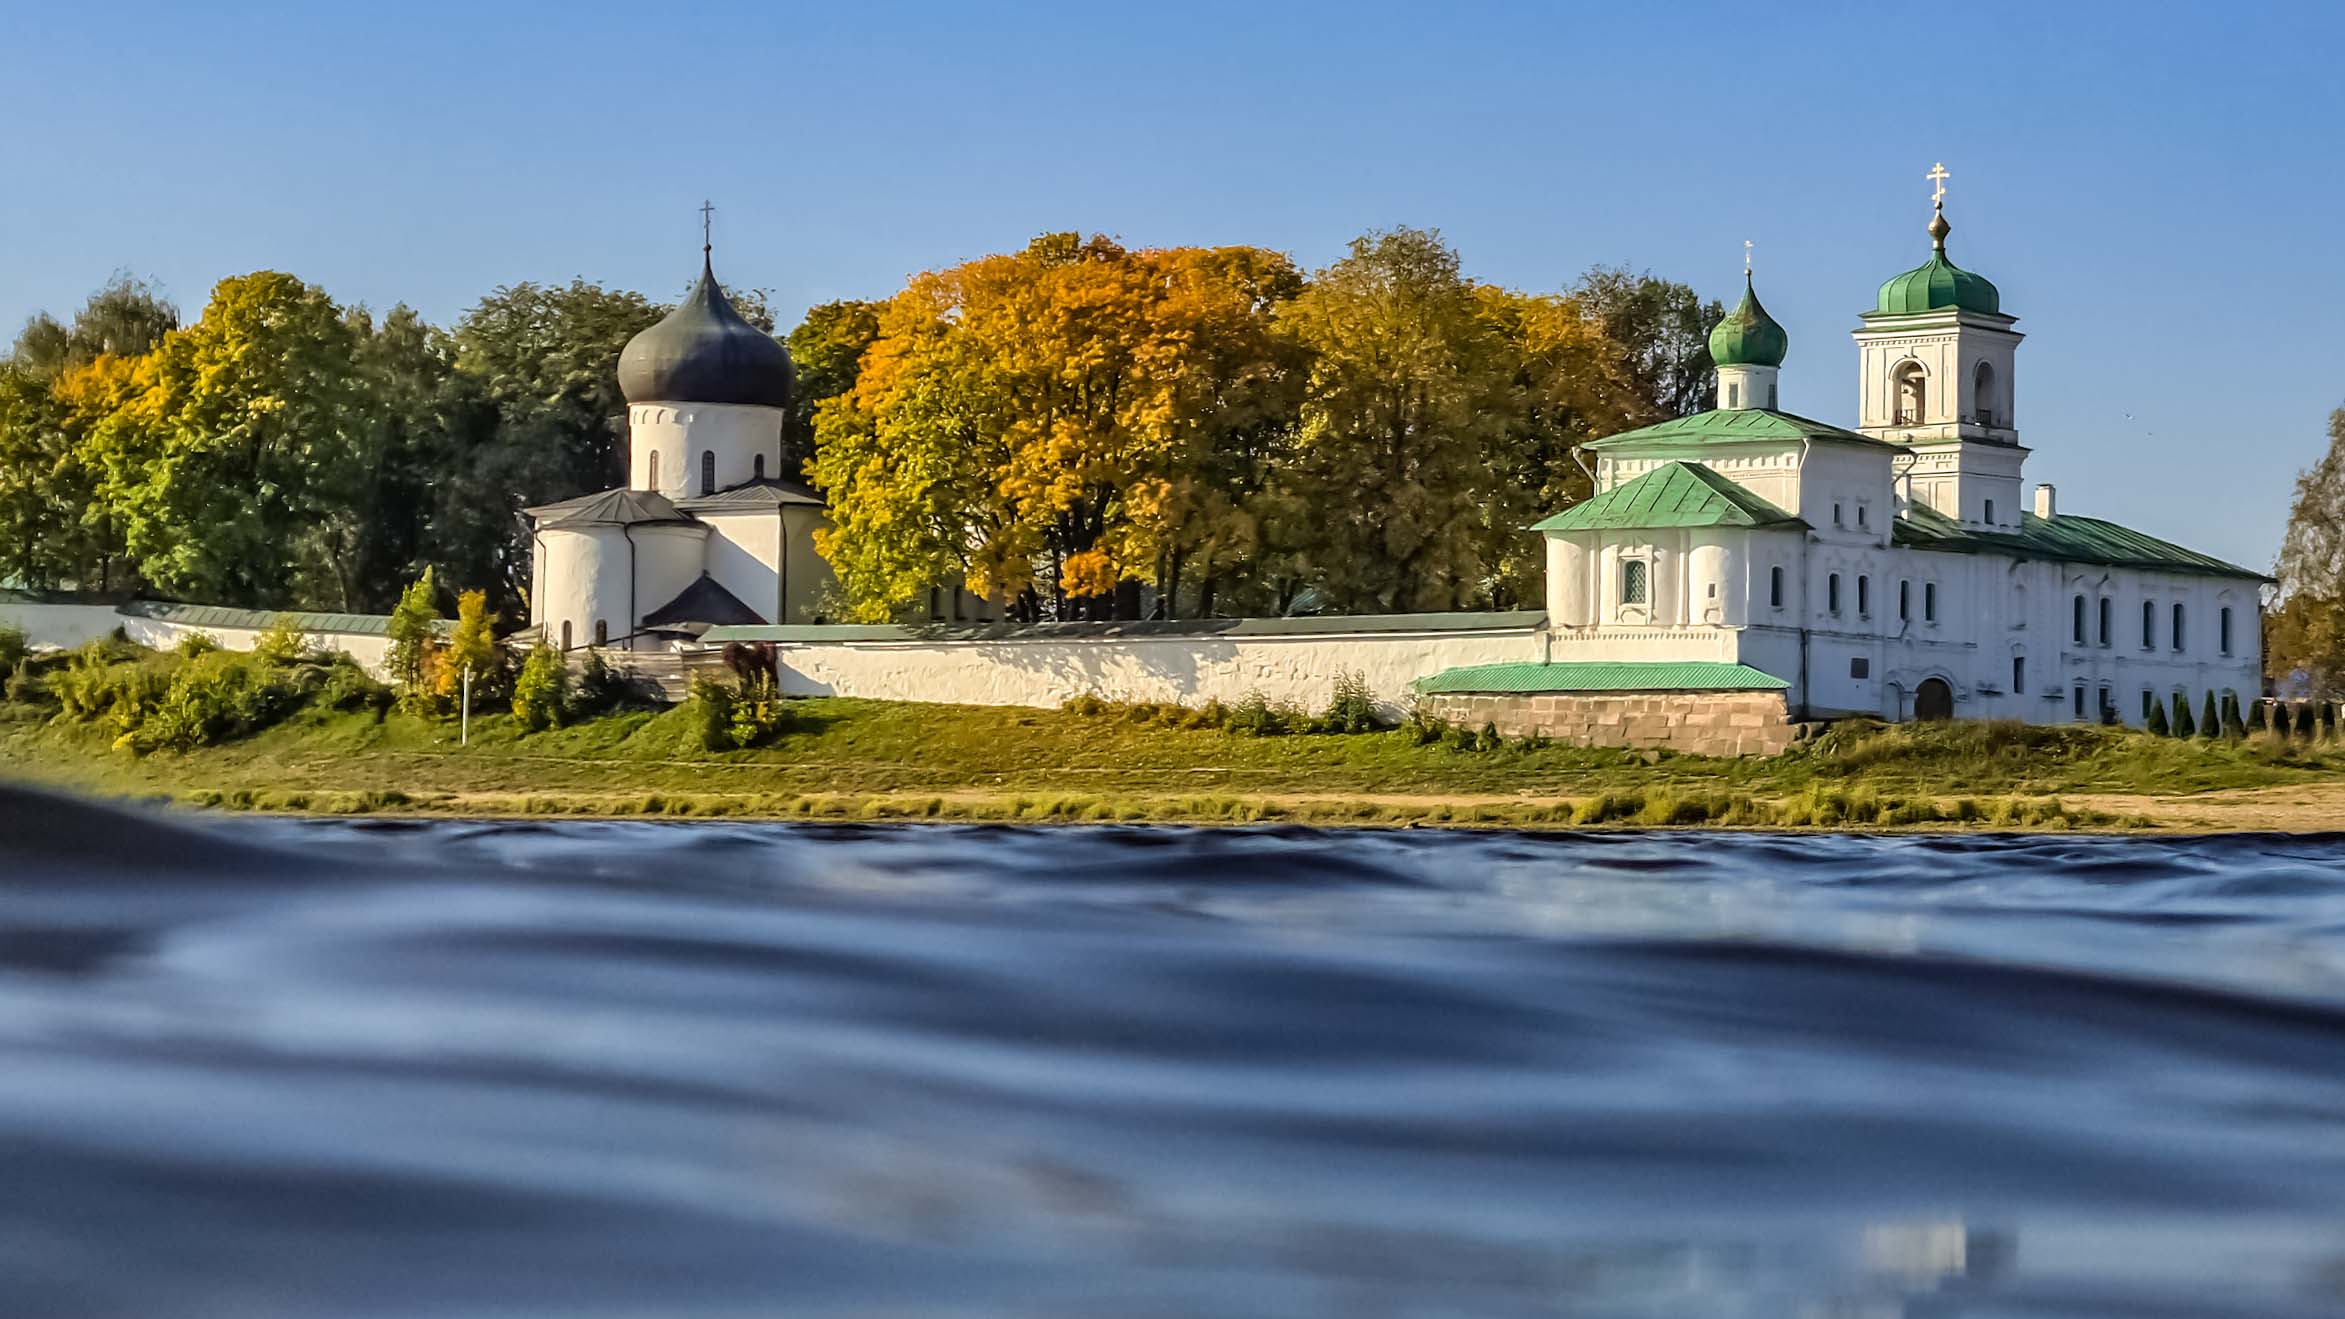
703	352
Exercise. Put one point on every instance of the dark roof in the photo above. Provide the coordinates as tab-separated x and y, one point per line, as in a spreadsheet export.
704	602
2066	538
763	492
1315	625
1676	494
704	352
608	508
1726	424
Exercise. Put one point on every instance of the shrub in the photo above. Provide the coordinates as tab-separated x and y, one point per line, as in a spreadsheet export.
542	689
738	715
345	686
2184	725
2234	727
24	687
2210	717
1424	726
602	689
196	644
2329	720
473	645
1353	709
2301	717
1488	739
2255	716
1255	716
1086	704
13	650
284	643
2157	725
412	630
212	698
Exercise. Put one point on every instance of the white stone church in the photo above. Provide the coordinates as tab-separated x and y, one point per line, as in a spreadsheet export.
1896	569
1739	567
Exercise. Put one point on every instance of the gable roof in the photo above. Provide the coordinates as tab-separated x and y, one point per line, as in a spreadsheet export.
1730	424
608	508
704	602
1675	494
2066	537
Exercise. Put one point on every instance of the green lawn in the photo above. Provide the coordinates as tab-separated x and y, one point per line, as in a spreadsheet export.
885	759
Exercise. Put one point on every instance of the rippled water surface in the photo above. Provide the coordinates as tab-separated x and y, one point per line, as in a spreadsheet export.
258	1068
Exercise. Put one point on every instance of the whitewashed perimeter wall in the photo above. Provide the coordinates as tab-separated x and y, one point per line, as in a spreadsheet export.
1190	669
64	627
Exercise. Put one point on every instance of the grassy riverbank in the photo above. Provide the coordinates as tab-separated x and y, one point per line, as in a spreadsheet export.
849	759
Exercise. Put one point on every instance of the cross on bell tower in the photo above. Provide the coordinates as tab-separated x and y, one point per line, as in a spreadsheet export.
706	210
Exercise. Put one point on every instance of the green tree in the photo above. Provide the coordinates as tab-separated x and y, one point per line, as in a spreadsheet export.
233	472
547	358
2210	718
413	631
1662	329
827	350
1409	403
2305	631
473	646
2156	723
2184	725
541	689
126	318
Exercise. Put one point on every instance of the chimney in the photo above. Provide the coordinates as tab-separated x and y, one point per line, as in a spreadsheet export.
2044	500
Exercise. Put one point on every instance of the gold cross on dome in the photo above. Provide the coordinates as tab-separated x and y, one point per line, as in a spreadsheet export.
1938	175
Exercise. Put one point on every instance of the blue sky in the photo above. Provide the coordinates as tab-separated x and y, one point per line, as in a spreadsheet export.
2154	187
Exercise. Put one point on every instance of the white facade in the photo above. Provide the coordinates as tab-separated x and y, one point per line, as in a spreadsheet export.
1911	573
685	450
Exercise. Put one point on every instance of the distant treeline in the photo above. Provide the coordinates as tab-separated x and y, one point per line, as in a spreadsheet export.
1061	427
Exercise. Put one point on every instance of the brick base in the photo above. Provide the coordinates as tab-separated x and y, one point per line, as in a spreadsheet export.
1698	723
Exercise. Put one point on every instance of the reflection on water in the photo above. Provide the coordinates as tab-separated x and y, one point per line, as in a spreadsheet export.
255	1067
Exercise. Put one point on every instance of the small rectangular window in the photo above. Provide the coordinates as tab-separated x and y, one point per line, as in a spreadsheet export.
1990	517
2076	624
2080	701
1733	395
2149	625
2177	637
1632	581
2223	628
2108	620
936	604
1832	593
1864	596
602	632
1929	602
2149	700
2019	675
1775	586
1860	667
1861	512
1904	601
1836	514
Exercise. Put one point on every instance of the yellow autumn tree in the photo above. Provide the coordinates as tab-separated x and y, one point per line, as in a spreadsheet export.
1045	426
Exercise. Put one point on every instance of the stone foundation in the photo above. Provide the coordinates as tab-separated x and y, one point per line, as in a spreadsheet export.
1698	723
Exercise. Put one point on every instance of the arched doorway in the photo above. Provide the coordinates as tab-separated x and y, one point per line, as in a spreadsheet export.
1933	700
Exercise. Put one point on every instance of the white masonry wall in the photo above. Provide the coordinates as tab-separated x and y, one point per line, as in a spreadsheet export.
1189	669
65	627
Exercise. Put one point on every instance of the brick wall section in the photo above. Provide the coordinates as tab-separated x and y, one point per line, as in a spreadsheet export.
1698	723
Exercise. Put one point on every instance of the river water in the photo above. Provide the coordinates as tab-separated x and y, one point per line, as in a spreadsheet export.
254	1067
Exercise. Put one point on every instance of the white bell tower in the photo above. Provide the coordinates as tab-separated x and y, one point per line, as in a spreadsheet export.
1935	376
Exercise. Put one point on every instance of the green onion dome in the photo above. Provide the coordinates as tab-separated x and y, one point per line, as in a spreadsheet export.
1938	283
1748	336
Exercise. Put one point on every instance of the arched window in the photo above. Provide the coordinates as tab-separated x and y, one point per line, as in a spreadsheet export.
2149	625
1832	593
2177	638
1983	401
708	471
2223	629
1864	596
651	471
565	634
1929	602
757	467
1911	387
2078	629
2108	620
602	632
2019	675
1632	581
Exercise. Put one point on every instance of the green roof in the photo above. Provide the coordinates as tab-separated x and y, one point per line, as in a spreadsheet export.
1748	336
2067	537
1731	424
1938	284
1671	495
164	611
1604	676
